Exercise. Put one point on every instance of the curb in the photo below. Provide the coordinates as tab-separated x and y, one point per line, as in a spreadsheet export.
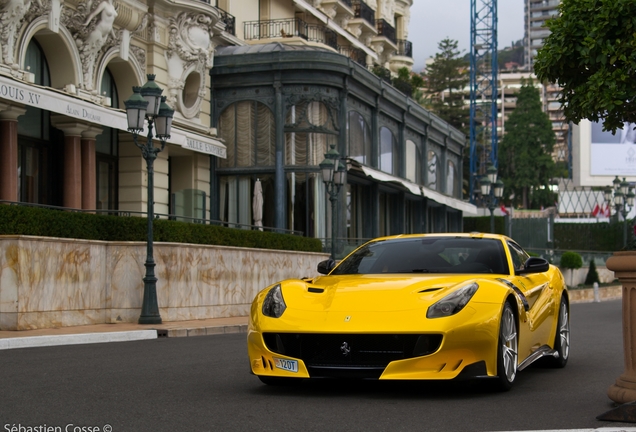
76	339
116	336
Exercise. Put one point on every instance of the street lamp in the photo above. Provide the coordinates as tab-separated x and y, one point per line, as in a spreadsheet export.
623	197
146	103
333	174
491	191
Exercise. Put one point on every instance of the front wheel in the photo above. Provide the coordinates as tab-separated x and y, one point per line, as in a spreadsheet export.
562	337
507	349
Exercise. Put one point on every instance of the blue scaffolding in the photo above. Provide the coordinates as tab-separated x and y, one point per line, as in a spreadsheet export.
483	88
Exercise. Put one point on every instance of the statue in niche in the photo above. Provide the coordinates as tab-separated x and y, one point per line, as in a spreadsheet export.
97	37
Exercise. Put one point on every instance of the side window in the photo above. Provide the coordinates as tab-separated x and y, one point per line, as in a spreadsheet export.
519	256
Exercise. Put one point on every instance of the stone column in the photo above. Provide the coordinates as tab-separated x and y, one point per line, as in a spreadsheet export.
9	150
73	130
89	173
623	264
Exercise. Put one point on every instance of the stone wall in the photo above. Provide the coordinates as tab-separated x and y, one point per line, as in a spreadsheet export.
52	282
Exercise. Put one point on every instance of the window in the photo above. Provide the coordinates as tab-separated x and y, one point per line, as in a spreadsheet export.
308	132
413	162
106	152
359	138
432	170
35	158
249	132
451	179
388	152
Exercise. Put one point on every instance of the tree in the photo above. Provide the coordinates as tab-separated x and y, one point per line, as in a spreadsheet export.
446	80
591	54
525	151
408	83
592	274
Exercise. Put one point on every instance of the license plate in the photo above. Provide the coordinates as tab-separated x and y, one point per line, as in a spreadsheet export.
284	364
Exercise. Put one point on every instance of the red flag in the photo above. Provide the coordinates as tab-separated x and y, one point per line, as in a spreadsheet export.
596	210
607	210
504	210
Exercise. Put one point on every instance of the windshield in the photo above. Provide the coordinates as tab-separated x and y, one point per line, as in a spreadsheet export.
427	255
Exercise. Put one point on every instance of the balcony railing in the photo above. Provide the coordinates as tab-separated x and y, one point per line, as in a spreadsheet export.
355	54
364	11
386	30
347	2
228	20
405	48
322	34
268	29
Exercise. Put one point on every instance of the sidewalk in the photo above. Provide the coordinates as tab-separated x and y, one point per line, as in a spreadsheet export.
100	333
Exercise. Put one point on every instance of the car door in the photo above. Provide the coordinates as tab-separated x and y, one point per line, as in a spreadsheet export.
536	289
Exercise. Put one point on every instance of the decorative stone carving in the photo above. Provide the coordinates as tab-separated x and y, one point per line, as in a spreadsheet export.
12	14
355	29
140	55
97	34
190	50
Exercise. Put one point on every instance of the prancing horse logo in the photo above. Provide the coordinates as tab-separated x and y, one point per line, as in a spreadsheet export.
345	348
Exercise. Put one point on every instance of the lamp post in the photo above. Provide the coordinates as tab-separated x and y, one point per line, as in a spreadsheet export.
491	191
623	197
146	103
333	174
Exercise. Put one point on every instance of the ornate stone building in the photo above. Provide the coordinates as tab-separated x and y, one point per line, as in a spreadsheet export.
260	89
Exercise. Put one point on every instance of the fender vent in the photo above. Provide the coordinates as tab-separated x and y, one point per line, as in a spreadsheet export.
315	290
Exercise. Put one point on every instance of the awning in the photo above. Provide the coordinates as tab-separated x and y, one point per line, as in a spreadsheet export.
61	103
418	190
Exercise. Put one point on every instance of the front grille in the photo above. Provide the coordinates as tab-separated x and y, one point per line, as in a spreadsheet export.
355	351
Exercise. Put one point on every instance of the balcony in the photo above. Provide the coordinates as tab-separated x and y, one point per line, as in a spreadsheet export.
386	30
405	48
338	10
289	28
322	34
278	28
364	11
355	54
228	20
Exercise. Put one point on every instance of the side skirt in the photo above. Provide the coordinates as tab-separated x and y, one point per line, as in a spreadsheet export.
543	351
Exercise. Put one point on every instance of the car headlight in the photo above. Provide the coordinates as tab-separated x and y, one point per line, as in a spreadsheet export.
274	304
452	303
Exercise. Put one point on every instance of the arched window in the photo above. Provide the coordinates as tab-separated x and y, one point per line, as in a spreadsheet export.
358	138
106	151
451	179
248	129
34	133
413	162
388	151
432	170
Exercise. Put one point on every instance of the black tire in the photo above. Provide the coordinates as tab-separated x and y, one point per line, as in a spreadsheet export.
279	381
561	338
507	348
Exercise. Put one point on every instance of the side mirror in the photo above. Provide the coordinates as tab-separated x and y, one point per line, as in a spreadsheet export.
534	265
324	267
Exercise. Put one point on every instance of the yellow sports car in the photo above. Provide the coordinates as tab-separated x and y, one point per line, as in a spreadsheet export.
414	307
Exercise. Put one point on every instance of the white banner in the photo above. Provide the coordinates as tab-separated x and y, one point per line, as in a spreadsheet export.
613	155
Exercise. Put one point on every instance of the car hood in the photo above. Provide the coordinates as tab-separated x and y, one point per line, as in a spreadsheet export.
376	293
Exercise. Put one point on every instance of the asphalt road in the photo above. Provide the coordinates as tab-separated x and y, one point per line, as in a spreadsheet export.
203	384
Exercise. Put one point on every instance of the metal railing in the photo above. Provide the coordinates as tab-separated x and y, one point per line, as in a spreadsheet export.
229	21
347	2
174	217
386	30
355	54
405	48
364	11
322	34
268	29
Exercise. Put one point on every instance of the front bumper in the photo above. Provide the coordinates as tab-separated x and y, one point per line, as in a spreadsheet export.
468	339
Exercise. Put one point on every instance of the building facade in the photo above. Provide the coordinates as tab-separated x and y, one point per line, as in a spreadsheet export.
68	66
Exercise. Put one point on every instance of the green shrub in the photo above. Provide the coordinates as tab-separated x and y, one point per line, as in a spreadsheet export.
33	221
482	224
571	260
592	274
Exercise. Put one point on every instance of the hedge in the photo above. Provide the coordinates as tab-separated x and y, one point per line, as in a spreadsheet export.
22	220
482	224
